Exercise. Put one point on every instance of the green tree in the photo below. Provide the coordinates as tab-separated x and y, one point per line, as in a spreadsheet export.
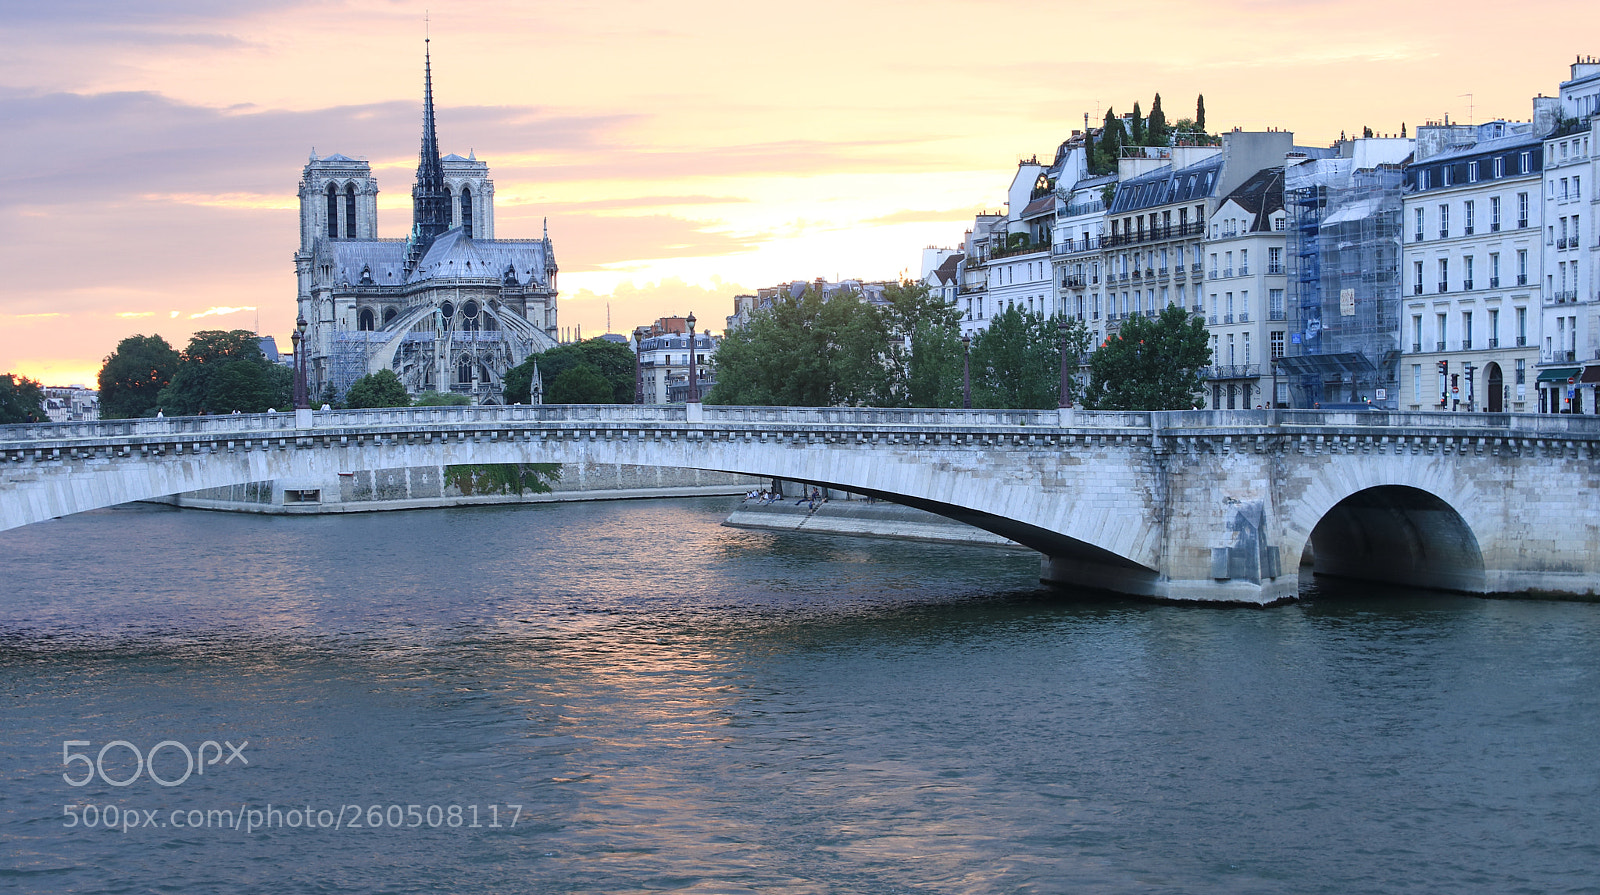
1200	113
380	389
1137	138
924	358
809	352
441	399
134	375
1151	364
21	400
1016	362
1156	132
581	384
225	371
1109	149
612	361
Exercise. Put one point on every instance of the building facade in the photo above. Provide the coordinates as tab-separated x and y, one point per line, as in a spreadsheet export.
1569	354
449	308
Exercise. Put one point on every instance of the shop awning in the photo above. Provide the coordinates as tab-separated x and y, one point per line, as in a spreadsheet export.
1558	374
1590	374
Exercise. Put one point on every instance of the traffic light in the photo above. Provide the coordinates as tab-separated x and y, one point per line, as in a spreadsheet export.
1455	382
1444	367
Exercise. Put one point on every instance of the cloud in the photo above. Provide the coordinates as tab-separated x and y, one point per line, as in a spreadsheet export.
218	312
953	215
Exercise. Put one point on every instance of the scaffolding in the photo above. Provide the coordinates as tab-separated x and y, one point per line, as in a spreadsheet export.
1343	266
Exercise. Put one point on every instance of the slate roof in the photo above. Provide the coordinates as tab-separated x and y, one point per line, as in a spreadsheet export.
1164	186
1261	195
1486	147
451	255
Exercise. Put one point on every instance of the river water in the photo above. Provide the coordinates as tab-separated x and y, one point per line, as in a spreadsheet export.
672	705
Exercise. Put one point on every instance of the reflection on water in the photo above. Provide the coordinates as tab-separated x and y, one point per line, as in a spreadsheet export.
678	705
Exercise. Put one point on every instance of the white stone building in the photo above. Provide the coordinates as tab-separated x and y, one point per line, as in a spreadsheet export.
1472	263
1569	354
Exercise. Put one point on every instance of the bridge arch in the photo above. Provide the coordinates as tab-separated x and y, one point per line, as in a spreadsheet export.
1397	534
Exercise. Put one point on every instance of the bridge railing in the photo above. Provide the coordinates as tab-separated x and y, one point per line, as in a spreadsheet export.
285	423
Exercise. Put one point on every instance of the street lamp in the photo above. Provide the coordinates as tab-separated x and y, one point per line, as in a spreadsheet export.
966	372
694	377
1066	391
300	344
638	364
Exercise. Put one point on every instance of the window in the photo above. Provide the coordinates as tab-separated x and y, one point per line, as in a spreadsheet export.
1494	213
1422	179
1522	209
1416	268
1525	163
1416	383
1466	272
1277	344
1466	330
1247	347
1444	330
1472	172
1500	167
1522	328
1444	274
350	211
1275	304
1494	327
1416	332
1275	259
1469	216
1444	221
1522	267
333	211
1494	270
1421	220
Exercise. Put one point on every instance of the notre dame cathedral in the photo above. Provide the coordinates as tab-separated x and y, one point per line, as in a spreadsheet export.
449	308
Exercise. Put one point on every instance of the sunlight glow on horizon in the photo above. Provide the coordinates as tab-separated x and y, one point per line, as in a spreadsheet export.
681	153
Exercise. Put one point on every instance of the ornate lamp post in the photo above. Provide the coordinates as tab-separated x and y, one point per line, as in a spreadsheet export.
1066	389
300	345
694	376
966	372
638	364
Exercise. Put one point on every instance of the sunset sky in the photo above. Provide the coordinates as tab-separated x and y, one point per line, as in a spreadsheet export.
681	151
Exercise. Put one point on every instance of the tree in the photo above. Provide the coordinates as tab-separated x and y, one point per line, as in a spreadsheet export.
613	361
1016	362
1200	113
1156	132
581	384
221	372
21	400
809	351
441	399
1151	364
1137	138
380	389
1110	147
924	357
134	375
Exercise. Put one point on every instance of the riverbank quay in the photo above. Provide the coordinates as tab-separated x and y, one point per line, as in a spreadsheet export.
861	518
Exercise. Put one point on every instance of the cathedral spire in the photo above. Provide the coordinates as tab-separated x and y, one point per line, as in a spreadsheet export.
430	204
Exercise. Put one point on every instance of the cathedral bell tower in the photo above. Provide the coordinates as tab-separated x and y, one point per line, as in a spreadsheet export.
430	202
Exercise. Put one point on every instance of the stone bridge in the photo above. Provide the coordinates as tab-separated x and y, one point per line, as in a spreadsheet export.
1203	505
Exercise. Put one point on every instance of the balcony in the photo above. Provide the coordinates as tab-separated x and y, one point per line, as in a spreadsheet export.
1138	274
1467	230
1466	344
1227	318
1494	282
1232	371
1214	274
1418	237
1244	317
1180	272
1567	296
1154	234
1149	272
1072	282
1443	287
1561	243
1162	271
1494	227
1466	285
1417	289
1227	271
1274	269
1212	320
1244	271
1522	279
1439	345
1275	314
1197	309
1195	267
1122	277
1444	234
1095	316
1522	341
1416	347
